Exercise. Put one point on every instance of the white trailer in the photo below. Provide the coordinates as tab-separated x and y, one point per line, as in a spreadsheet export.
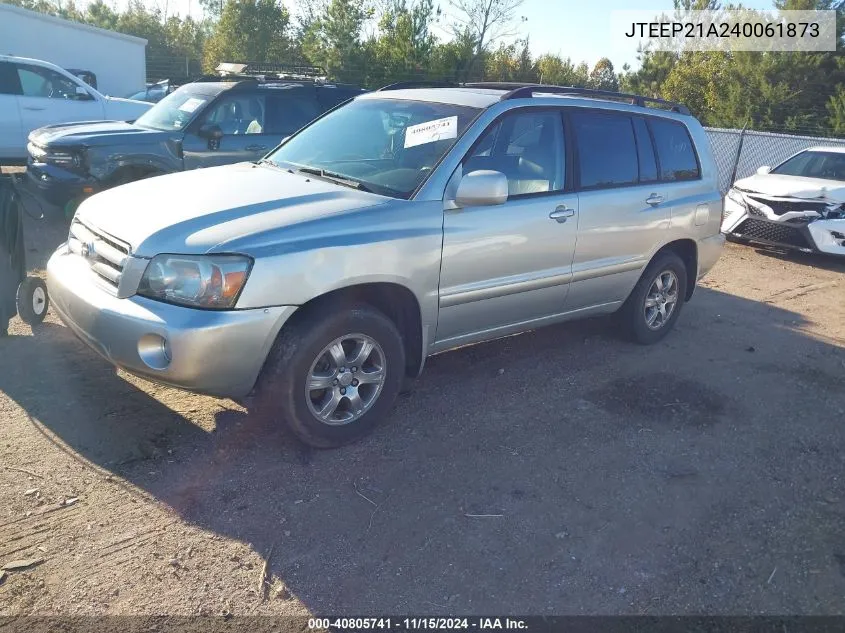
118	60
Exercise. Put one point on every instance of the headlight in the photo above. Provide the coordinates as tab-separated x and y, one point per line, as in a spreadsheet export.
734	202
736	196
62	158
199	281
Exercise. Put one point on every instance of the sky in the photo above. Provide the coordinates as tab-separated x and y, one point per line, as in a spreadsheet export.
578	29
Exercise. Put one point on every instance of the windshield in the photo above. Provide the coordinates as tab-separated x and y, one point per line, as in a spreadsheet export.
388	146
174	112
825	165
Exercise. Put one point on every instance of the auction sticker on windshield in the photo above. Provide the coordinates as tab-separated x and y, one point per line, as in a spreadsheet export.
431	131
191	104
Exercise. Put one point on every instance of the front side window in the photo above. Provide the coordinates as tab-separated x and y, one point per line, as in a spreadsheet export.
384	145
238	114
674	150
527	147
175	111
607	152
36	81
812	164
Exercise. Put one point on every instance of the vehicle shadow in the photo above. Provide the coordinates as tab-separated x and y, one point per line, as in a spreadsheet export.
559	471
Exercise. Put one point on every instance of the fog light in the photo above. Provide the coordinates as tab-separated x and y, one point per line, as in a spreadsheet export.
154	350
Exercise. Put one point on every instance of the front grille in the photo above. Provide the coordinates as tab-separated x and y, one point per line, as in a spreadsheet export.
106	254
779	207
773	232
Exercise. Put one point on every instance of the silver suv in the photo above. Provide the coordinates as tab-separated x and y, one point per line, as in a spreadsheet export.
407	222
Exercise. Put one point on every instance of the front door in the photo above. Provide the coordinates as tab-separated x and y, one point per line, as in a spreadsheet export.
48	97
505	266
242	119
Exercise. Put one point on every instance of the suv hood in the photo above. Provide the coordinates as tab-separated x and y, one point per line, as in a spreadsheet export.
793	187
235	208
94	133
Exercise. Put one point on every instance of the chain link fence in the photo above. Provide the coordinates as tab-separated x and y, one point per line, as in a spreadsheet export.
745	151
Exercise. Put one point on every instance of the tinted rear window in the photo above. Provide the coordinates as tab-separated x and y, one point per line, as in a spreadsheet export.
674	150
645	151
607	153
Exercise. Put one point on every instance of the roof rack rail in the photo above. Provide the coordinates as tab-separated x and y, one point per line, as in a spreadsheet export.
269	69
497	85
226	78
529	90
401	85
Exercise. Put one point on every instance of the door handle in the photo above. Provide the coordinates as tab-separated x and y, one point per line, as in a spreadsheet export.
36	108
654	199
561	213
255	148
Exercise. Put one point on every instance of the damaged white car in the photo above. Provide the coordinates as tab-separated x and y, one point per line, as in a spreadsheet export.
800	204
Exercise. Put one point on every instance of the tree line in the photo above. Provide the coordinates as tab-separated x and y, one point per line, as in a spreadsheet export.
375	42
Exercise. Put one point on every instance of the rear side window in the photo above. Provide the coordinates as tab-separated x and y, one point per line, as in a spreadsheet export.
329	97
645	151
287	112
607	152
674	151
9	82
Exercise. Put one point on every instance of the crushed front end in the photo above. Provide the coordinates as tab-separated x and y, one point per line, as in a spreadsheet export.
809	224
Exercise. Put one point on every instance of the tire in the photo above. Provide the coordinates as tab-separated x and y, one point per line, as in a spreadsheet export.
640	321
301	351
32	301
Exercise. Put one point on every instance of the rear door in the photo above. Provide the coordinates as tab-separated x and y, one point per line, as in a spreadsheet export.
48	97
291	110
12	139
623	205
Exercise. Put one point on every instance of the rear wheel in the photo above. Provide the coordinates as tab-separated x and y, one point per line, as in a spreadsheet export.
656	301
333	378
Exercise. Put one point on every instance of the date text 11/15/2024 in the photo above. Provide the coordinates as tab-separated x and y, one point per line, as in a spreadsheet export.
416	624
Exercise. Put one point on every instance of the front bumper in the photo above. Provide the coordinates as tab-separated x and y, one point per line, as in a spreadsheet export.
58	186
216	352
759	225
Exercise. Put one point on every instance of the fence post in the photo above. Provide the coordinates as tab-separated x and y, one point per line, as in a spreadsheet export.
738	154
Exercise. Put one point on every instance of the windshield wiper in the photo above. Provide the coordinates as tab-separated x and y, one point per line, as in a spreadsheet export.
340	179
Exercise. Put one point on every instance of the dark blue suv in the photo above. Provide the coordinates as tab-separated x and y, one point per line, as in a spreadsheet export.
202	124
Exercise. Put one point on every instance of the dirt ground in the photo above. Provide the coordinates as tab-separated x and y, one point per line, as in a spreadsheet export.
563	471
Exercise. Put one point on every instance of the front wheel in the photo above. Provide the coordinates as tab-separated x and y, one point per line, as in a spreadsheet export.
655	303
333	376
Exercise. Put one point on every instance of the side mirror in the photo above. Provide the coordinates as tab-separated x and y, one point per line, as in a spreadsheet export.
211	131
83	95
765	169
482	188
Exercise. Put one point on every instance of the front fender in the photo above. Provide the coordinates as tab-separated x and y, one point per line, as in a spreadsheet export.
398	246
105	162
